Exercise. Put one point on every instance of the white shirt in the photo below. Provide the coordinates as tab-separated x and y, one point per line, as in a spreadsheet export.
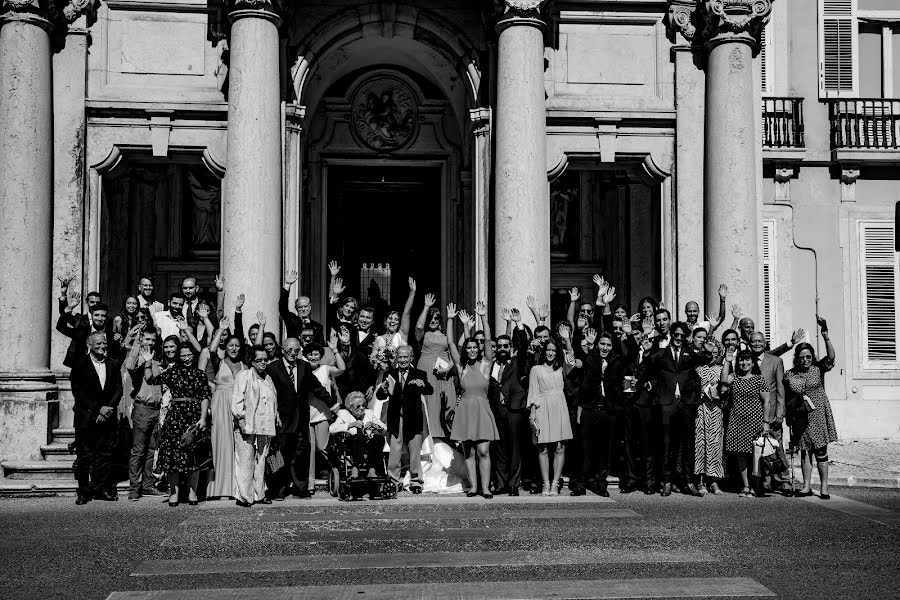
193	305
100	367
676	354
166	324
154	307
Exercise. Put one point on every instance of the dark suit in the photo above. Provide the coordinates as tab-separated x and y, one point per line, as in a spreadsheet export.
79	328
509	396
406	422
293	324
293	410
94	442
676	394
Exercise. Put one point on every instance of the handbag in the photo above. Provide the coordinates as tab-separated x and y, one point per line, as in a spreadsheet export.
766	455
275	461
198	445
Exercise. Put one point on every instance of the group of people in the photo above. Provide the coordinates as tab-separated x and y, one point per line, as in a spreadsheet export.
444	403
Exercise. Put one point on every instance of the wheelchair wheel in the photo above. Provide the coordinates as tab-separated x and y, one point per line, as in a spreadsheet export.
334	482
389	490
344	491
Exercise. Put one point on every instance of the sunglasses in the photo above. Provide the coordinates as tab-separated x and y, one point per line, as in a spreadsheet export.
502	346
678	335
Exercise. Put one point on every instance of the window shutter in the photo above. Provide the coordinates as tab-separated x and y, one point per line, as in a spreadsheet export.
766	56
838	48
879	274
768	277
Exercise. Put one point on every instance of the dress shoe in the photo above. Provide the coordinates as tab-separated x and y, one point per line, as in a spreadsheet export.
416	490
501	490
471	494
303	494
152	492
264	501
105	496
487	496
602	492
193	502
825	496
691	490
243	504
579	491
514	492
280	496
134	495
666	490
626	489
82	499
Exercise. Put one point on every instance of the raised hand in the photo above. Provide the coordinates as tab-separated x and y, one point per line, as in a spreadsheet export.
822	323
338	288
239	302
574	294
451	311
344	335
203	311
531	303
798	336
65	280
709	347
146	354
708	319
480	308
636	318
135	330
291	277
333	342
412	284
464	316
74	300
544	312
429	300
602	285
182	323
334	268
581	323
564	332
261	319
220	282
590	335
515	315
736	311
627	329
609	295
224	323
723	291
505	313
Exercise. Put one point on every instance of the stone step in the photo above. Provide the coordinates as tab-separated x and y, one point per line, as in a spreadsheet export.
63	435
38	469
57	452
44	487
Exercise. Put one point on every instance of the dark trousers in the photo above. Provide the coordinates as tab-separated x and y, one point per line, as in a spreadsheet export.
365	453
676	435
598	427
295	449
640	445
507	459
145	423
782	479
94	446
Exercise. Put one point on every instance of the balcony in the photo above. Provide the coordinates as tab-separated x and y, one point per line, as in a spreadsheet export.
782	122
865	129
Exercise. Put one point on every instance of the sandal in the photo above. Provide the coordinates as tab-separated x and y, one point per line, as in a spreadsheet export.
746	493
545	491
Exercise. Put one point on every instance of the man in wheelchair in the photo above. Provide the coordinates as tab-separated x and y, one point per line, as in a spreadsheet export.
356	453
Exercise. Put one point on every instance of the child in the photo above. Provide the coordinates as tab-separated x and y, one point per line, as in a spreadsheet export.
365	438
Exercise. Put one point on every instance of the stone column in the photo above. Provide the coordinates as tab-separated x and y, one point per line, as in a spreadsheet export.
481	194
26	229
252	206
522	206
728	32
293	192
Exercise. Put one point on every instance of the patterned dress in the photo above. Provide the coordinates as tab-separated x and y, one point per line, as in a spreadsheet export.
815	429
434	346
708	426
183	382
546	394
745	417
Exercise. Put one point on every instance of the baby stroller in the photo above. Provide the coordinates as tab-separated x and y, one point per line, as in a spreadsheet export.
348	480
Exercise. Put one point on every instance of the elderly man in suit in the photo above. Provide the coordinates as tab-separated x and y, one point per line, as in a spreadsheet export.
669	375
509	394
294	382
404	387
772	369
97	388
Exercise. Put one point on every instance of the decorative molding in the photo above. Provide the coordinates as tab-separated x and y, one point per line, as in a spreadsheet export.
277	11
849	175
384	114
607	137
559	168
47	14
783	176
681	19
160	128
212	162
481	121
655	172
708	22
532	13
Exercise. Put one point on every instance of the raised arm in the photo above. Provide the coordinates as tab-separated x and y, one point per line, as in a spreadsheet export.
192	340
420	323
737	313
531	303
217	337
220	296
454	351
723	293
407	309
574	295
507	317
481	311
203	312
260	335
339	365
239	317
829	349
336	285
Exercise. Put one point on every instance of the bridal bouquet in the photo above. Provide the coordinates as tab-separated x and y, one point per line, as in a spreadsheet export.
383	357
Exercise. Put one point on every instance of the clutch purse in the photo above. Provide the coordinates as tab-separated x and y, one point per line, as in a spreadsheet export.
198	446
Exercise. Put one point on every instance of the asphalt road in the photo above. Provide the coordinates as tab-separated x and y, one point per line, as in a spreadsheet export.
796	549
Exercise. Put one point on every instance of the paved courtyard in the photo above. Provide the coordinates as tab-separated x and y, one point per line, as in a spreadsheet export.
424	547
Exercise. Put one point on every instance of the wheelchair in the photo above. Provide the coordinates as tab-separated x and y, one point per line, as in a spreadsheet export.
341	482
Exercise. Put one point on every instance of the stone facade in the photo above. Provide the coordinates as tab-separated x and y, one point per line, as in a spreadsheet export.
550	143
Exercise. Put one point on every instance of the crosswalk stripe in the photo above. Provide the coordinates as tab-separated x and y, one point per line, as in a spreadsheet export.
858	509
272	564
601	589
605	513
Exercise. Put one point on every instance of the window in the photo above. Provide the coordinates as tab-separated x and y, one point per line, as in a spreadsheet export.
838	49
768	278
878	290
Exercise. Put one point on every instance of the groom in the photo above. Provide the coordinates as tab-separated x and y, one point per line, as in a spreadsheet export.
404	387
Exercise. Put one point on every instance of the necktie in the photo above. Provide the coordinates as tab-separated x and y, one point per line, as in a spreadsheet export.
402	379
291	373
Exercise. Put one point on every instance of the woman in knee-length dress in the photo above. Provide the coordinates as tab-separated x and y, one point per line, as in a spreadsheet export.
811	422
220	480
747	412
549	412
473	423
435	347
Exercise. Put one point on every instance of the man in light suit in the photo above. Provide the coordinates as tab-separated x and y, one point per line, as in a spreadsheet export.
97	389
404	387
772	369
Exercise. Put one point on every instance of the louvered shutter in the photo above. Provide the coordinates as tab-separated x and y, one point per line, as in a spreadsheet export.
838	48
768	278
879	274
766	56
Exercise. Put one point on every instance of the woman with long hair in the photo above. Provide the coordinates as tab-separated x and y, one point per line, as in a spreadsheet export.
435	345
709	431
809	410
549	411
747	411
396	325
220	480
643	320
473	423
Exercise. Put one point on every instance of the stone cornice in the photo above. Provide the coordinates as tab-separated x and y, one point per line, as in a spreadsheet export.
48	14
710	22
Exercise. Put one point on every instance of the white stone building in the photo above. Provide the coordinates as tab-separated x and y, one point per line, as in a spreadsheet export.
492	149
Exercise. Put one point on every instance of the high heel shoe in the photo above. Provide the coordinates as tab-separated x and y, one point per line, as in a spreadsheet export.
554	489
471	494
545	491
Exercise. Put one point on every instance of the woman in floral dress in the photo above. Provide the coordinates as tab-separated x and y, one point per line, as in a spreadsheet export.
709	430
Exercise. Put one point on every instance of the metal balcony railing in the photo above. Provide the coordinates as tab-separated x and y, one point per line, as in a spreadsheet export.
864	123
782	122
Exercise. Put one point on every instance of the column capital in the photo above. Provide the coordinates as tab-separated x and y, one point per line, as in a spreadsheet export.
712	22
520	12
272	10
46	14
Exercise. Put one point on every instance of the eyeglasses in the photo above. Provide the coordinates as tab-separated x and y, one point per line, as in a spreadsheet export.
260	360
678	335
502	346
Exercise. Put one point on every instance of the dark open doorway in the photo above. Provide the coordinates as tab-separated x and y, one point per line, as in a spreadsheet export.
386	216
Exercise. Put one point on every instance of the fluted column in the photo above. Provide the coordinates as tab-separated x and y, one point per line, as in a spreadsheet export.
252	205
522	207
26	226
